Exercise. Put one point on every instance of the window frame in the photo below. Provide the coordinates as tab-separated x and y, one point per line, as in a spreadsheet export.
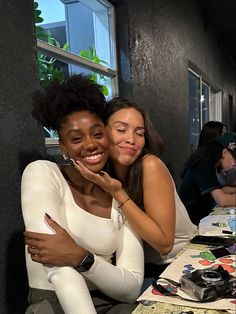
214	100
71	58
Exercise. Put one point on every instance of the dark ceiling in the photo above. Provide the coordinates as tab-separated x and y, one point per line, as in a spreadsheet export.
221	16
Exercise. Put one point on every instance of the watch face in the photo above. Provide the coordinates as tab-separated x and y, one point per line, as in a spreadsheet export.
86	263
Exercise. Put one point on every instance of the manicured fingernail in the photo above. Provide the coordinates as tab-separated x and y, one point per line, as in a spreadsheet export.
48	216
74	161
101	173
71	161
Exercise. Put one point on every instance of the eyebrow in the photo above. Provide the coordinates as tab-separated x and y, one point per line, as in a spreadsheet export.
94	126
126	124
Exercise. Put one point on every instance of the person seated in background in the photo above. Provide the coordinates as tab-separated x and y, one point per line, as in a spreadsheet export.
200	189
106	256
153	207
211	130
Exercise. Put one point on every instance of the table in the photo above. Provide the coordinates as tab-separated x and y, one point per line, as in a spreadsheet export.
220	222
167	308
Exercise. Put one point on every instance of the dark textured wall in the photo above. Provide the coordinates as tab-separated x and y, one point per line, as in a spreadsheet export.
122	42
21	141
156	39
163	36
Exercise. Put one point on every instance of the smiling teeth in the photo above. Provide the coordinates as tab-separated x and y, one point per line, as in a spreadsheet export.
92	157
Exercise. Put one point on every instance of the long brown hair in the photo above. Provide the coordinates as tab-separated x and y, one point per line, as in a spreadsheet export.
153	145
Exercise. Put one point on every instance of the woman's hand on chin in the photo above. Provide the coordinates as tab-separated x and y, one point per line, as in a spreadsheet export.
102	178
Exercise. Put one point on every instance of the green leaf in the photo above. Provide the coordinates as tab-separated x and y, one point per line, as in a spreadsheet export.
56	43
92	53
93	77
37	13
96	60
105	90
38	18
84	54
39	28
66	47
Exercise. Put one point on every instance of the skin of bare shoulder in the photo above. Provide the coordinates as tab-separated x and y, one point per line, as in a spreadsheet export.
159	200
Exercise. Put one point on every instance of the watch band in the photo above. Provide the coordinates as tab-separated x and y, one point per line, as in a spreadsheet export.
86	263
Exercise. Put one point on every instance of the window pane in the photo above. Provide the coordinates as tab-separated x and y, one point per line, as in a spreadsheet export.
50	68
194	110
71	32
61	70
83	27
205	103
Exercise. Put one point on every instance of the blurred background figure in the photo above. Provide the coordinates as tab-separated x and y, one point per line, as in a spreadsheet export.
210	131
200	189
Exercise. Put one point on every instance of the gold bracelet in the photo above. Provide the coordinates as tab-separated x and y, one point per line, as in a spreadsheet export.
122	203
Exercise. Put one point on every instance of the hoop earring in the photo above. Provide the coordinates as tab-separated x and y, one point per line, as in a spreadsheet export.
65	156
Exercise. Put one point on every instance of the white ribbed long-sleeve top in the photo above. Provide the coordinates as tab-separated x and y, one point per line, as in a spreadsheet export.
45	190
